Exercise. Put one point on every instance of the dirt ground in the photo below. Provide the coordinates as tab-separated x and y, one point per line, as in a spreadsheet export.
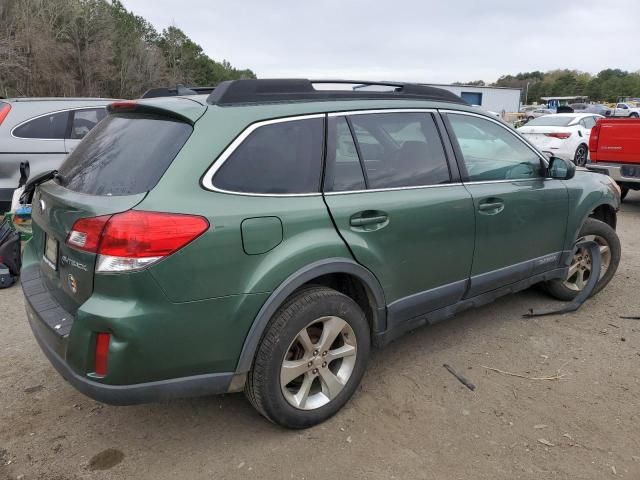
410	420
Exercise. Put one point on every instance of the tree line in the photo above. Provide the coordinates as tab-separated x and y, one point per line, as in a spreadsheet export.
96	48
605	86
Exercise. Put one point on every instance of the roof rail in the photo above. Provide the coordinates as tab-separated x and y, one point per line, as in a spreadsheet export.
249	91
178	90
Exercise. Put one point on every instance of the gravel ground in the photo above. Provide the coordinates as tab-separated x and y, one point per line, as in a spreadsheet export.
410	420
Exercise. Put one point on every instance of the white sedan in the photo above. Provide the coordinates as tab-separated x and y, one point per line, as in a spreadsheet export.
564	135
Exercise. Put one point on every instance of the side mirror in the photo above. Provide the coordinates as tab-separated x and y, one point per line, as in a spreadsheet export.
561	169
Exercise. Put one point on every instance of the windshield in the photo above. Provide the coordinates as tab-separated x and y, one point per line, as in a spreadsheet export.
551	121
124	155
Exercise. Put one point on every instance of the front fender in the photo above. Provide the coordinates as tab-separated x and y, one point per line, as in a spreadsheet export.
587	191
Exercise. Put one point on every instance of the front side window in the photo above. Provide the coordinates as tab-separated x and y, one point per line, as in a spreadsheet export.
84	120
491	152
280	158
400	149
50	127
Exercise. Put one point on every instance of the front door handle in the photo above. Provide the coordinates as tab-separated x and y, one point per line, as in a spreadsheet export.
491	206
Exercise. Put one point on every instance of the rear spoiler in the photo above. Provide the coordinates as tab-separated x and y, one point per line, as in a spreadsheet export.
189	113
178	90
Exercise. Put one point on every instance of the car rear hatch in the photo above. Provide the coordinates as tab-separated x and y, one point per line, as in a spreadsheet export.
110	172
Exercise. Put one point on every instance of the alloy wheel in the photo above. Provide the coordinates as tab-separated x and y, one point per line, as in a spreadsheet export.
581	264
318	363
581	156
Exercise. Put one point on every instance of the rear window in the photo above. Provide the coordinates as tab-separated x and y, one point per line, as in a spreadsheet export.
281	158
549	121
124	155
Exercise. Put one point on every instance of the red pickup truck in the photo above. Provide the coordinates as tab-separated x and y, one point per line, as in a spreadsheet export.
614	149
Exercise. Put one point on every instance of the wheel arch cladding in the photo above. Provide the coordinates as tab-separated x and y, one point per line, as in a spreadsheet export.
605	213
333	272
600	212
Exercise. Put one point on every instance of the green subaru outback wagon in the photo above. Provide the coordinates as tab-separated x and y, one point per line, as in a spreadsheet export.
264	237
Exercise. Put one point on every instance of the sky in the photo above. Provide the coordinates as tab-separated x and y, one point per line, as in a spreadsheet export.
434	41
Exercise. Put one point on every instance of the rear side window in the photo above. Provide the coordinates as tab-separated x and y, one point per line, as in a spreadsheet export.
84	120
588	122
344	171
49	127
280	158
124	155
400	150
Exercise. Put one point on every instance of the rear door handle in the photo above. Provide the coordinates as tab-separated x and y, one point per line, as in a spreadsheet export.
362	221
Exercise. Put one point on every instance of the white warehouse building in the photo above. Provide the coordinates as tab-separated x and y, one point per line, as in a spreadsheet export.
496	99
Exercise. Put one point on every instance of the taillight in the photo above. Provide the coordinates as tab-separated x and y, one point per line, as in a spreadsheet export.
135	239
85	233
101	354
561	135
594	139
4	111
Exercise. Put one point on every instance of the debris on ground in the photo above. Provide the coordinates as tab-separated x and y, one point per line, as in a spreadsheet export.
557	376
546	442
463	380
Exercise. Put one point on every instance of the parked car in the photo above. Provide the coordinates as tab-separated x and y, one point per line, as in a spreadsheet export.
529	108
538	112
263	237
614	147
626	110
43	131
598	109
565	135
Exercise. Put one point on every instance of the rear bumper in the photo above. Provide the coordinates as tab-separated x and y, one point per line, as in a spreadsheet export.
621	173
6	195
210	384
47	321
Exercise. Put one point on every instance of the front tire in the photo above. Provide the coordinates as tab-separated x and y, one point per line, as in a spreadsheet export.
311	358
610	251
581	155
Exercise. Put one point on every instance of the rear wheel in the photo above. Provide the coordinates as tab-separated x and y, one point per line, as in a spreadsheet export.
580	158
311	358
634	115
581	265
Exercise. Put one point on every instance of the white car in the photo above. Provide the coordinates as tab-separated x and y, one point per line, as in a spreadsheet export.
564	135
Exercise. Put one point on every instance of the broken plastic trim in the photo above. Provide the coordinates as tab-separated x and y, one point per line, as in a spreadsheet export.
576	303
